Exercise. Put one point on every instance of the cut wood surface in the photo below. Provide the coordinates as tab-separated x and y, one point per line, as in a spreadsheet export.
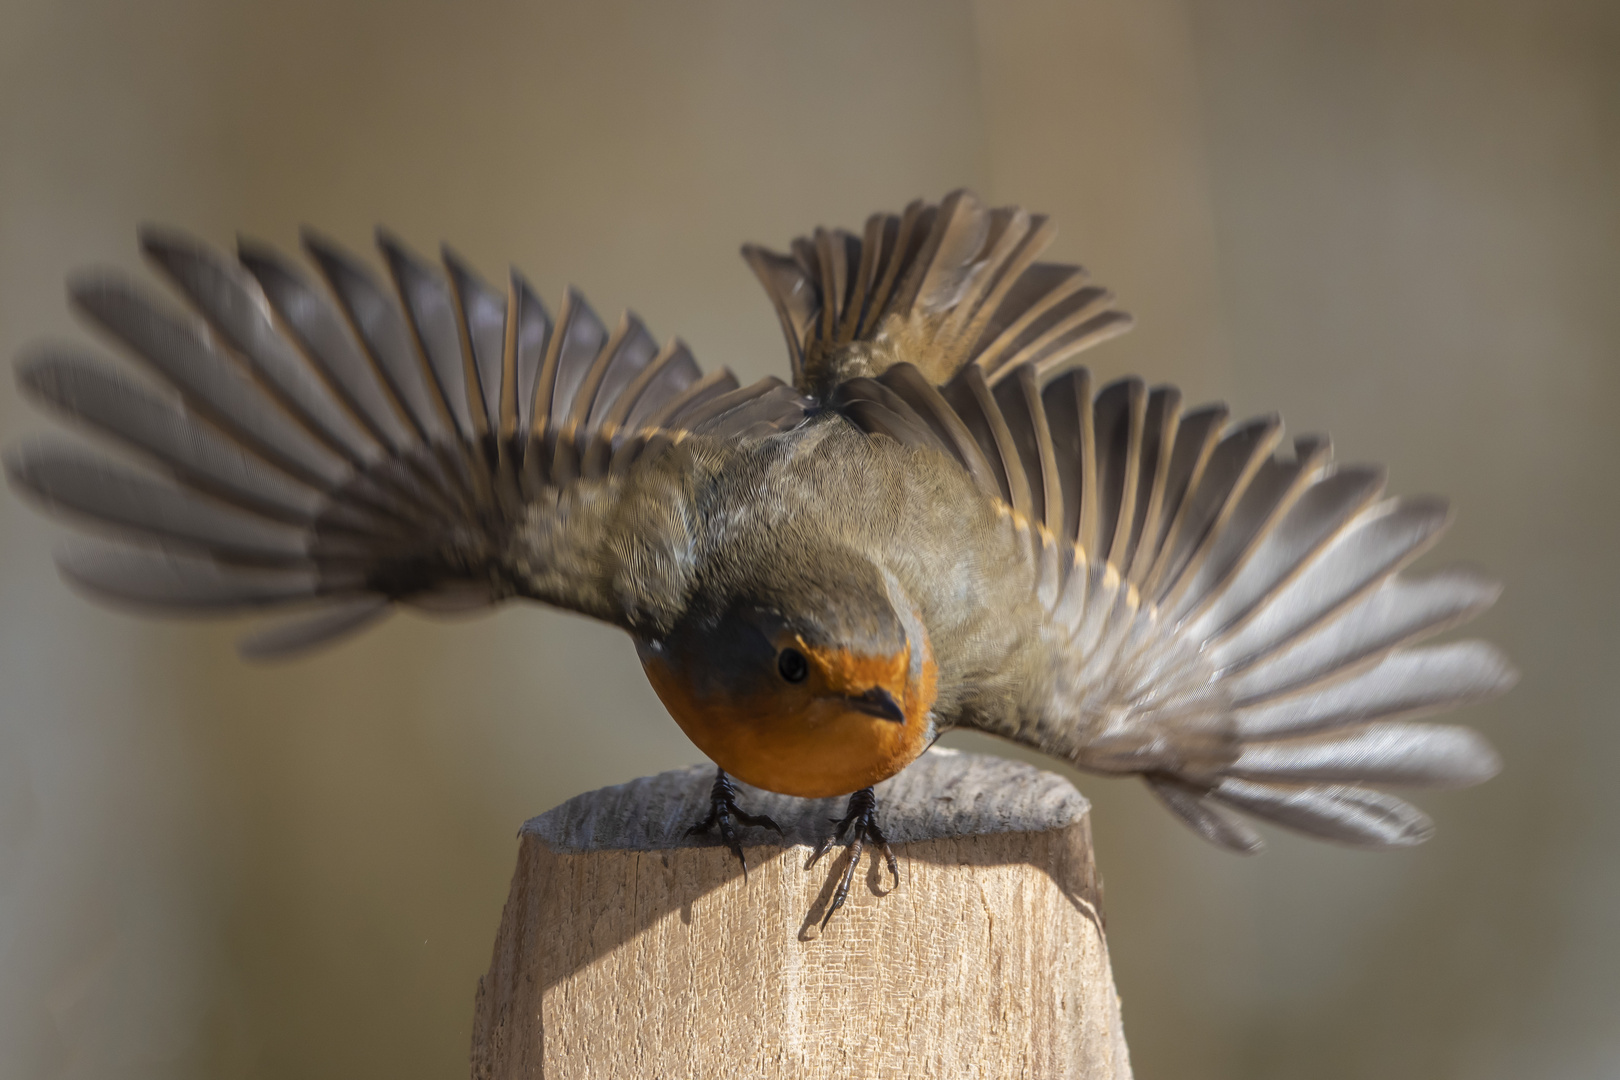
628	949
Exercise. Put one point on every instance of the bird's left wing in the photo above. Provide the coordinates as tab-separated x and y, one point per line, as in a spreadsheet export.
1233	620
346	448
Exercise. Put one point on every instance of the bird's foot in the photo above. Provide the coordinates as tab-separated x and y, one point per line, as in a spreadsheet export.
722	810
861	817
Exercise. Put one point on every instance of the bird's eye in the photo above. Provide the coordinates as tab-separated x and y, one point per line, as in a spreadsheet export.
792	666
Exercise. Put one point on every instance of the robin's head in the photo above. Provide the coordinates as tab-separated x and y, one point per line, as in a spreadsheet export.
811	676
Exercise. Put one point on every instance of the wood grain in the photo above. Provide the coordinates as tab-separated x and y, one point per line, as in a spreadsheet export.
629	950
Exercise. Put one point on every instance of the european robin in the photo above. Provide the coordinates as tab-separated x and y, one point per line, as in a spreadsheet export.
939	522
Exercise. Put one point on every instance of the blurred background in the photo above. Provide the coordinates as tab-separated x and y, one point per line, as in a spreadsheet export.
1394	220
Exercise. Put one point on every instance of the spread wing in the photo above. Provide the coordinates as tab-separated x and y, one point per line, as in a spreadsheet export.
1238	629
347	448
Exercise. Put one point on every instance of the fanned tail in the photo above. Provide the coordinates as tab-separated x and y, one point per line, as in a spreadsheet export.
940	287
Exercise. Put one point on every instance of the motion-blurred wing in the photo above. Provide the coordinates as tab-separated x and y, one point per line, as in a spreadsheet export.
347	447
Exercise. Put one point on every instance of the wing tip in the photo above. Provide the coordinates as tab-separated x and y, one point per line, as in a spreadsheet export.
1502	674
292	638
394	249
161	242
32	369
259	256
323	248
88	286
1211	822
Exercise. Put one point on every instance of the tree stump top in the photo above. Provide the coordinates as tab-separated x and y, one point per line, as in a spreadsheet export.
943	794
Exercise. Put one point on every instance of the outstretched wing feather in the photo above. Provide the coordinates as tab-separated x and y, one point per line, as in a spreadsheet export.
350	454
229	298
71	480
376	321
91	393
430	313
1235	615
147	577
1350	815
319	331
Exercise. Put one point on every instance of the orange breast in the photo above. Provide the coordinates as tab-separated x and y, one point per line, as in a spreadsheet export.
796	744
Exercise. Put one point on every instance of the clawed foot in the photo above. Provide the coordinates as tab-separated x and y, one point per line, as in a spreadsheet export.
722	809
862	815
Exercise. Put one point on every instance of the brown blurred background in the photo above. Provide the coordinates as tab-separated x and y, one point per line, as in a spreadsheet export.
1396	221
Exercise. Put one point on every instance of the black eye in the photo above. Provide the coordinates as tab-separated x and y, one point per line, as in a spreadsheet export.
792	666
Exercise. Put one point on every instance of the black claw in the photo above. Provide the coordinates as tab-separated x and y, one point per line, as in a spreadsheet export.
862	815
722	808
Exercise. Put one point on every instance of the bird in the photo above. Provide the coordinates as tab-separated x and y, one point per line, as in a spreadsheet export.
936	522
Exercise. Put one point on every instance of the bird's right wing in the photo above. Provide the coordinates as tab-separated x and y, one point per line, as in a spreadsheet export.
347	448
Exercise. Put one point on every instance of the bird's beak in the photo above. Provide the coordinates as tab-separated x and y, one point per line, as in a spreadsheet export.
880	703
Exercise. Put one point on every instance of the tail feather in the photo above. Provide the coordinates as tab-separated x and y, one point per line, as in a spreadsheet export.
796	298
946	263
1054	328
940	287
1016	239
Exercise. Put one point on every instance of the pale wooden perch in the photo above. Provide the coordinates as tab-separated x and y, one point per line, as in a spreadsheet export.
627	950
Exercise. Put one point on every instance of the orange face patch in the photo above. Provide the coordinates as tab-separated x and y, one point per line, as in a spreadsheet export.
808	739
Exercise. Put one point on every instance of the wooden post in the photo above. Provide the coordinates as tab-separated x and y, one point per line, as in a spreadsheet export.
628	950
